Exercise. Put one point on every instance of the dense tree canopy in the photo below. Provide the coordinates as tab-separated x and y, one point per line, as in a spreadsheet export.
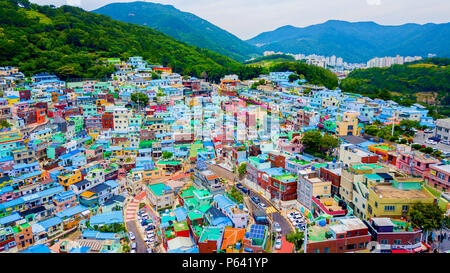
426	216
429	75
69	41
313	74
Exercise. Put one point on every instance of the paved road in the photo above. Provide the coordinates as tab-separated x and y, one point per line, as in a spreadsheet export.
443	246
420	138
130	221
275	216
141	247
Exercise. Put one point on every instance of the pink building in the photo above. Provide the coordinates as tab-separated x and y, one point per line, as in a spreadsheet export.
415	163
438	176
293	146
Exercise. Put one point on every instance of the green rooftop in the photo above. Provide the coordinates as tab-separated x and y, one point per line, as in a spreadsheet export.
366	166
286	178
374	176
180	226
187	192
158	189
202	193
317	233
169	162
210	234
385	147
193	215
301	162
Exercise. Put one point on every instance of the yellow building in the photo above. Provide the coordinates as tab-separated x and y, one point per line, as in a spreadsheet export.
149	175
348	125
394	200
12	99
69	178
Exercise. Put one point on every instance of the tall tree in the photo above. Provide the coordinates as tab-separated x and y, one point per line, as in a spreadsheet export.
427	217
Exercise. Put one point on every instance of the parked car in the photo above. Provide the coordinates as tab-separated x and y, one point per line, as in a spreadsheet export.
131	235
133	245
149	250
133	251
428	131
149	227
262	205
278	243
277	227
255	199
446	142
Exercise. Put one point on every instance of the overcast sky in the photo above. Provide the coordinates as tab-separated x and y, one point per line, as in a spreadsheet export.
248	18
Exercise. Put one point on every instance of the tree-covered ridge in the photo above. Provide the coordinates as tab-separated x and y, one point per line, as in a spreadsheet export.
270	59
180	25
358	41
313	74
404	78
69	41
430	75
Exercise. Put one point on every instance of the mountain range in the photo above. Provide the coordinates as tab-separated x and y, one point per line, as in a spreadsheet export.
183	26
358	42
70	41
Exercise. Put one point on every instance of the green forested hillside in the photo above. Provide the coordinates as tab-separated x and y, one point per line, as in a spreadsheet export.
429	75
313	74
271	59
180	25
69	41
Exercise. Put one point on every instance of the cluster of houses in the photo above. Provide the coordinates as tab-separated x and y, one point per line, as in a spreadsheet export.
73	153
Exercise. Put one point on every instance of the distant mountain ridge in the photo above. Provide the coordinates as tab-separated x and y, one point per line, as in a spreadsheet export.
70	42
358	42
180	25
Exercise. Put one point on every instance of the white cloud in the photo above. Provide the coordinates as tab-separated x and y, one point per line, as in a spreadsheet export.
373	2
76	3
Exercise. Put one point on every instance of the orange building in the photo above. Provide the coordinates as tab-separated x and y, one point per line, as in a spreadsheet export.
24	235
231	237
69	178
386	151
40	116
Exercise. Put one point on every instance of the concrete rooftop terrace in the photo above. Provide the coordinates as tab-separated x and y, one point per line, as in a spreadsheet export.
390	192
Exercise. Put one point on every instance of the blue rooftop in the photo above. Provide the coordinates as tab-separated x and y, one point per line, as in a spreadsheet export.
107	218
71	211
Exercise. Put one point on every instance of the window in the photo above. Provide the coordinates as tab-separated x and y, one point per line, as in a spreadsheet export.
326	250
405	208
384	242
389	208
397	242
316	250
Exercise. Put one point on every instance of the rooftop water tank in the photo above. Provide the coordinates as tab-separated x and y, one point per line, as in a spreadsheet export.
322	223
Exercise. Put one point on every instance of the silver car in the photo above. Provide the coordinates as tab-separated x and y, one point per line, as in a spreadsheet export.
277	227
278	244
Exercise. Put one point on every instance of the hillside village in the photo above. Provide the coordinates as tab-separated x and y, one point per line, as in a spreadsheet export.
153	161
